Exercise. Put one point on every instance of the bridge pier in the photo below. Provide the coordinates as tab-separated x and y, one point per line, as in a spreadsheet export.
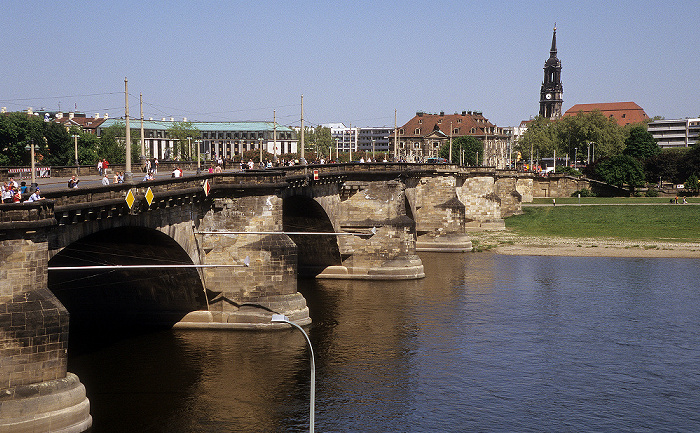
245	297
439	213
36	391
390	253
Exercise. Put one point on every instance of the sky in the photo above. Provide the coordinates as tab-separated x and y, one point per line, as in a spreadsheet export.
355	62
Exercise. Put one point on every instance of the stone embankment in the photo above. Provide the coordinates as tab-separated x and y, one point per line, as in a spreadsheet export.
507	242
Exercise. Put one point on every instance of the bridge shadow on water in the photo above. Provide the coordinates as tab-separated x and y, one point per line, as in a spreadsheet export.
108	305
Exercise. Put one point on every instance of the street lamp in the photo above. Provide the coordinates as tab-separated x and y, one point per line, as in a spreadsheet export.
189	148
31	147
575	155
281	318
199	163
75	137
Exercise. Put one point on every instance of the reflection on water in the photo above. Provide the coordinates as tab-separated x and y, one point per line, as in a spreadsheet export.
484	343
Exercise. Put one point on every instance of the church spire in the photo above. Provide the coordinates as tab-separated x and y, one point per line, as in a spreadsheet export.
553	50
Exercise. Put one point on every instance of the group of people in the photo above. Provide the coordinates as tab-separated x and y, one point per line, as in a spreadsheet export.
12	192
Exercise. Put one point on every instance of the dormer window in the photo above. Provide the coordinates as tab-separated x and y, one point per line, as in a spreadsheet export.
417	131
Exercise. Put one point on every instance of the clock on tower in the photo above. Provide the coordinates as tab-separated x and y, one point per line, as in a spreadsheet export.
551	91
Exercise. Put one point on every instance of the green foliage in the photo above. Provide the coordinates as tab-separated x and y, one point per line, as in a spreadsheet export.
640	143
693	184
320	140
540	138
471	146
568	170
621	170
585	192
17	130
181	131
651	192
572	135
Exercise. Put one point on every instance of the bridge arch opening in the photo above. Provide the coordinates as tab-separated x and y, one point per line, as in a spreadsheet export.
314	252
125	300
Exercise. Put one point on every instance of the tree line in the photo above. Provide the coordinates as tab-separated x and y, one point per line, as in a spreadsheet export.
624	156
54	144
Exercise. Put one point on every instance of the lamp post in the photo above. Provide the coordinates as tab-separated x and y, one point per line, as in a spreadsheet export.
189	148
260	147
31	147
281	318
575	155
75	138
198	143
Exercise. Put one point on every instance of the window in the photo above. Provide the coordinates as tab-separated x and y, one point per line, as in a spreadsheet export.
473	130
455	131
401	131
420	121
417	131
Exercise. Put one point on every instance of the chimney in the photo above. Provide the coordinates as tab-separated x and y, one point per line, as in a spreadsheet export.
3	110
184	119
97	115
106	115
71	115
442	113
464	113
172	119
59	115
30	111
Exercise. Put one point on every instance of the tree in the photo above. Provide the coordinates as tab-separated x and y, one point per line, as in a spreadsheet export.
323	140
540	138
621	170
472	147
693	184
640	143
581	130
180	131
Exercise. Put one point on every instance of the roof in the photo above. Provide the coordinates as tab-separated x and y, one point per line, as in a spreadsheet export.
202	126
624	113
465	122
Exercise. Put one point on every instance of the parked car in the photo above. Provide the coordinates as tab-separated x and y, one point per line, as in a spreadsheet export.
436	161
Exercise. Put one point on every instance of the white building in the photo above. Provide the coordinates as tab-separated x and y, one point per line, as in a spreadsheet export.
675	133
345	137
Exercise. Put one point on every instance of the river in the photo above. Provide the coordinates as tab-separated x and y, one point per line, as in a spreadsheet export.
485	343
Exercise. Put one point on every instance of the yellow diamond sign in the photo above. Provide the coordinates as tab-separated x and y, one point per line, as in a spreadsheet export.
149	196
130	199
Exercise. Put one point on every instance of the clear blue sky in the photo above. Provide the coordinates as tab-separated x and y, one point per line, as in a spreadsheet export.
354	61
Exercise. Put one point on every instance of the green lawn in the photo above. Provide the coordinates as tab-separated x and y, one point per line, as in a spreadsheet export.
611	200
662	222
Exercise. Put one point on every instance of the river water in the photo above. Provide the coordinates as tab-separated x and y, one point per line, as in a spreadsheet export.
485	343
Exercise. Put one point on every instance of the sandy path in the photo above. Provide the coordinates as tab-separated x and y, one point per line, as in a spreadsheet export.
506	242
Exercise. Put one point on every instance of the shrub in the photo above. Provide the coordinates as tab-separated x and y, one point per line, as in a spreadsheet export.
585	192
652	192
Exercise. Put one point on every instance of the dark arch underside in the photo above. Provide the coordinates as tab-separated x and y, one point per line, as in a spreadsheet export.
126	298
315	252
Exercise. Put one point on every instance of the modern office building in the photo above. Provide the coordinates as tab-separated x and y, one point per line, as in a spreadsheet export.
675	133
224	140
377	139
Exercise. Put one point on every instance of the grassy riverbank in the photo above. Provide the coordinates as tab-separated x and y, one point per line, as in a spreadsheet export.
663	222
611	200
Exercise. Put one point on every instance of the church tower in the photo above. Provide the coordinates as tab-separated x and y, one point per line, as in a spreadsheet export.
551	91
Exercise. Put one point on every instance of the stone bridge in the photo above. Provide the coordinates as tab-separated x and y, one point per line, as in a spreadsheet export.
213	251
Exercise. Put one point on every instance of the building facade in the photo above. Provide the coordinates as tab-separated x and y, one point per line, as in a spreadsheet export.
552	91
624	113
425	133
377	139
675	133
225	140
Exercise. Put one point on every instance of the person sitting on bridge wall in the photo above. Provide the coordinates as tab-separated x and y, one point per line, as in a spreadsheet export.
35	196
73	182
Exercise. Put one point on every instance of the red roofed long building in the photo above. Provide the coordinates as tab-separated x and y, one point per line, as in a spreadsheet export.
423	135
624	113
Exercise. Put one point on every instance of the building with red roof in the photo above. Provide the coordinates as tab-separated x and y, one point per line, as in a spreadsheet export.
624	113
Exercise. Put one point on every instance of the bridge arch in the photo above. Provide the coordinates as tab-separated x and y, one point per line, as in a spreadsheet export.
314	252
120	298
